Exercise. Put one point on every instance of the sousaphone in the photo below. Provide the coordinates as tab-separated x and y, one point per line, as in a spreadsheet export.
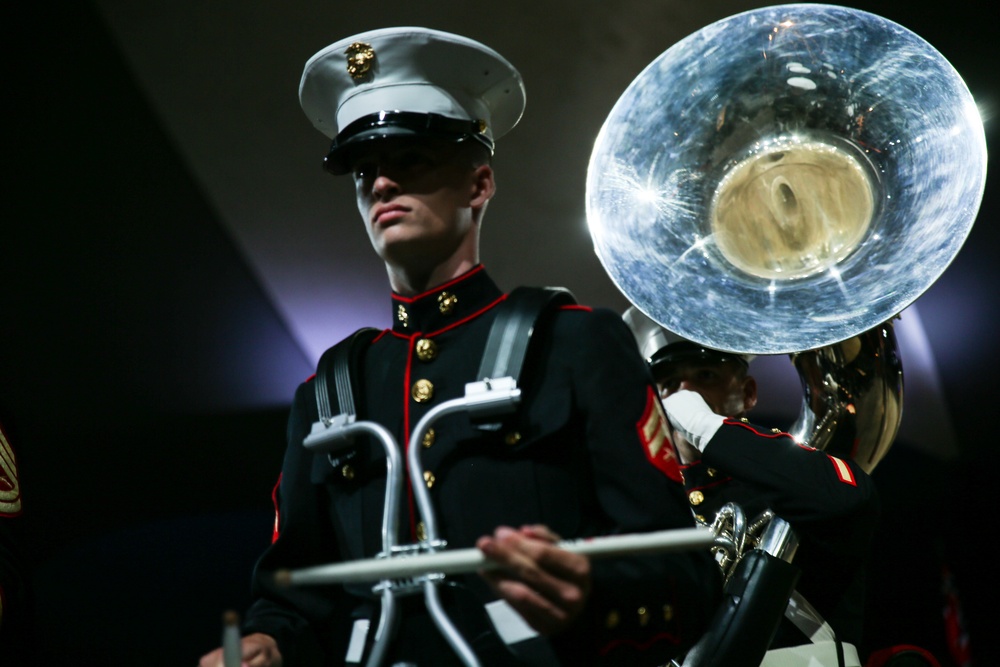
788	179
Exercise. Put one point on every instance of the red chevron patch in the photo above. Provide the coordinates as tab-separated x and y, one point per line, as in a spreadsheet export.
654	435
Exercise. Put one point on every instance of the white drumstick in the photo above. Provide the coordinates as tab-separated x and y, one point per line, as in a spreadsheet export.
232	649
461	561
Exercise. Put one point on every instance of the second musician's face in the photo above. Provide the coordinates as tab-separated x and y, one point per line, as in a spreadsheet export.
416	198
725	386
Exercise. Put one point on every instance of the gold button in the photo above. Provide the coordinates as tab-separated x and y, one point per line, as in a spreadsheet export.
421	531
429	478
402	315
428	438
668	613
711	472
427	350
700	518
422	391
347	471
446	302
512	438
612	620
775	430
643	616
744	420
696	497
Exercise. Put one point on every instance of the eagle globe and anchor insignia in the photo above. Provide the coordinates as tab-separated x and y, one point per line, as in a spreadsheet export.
360	58
10	488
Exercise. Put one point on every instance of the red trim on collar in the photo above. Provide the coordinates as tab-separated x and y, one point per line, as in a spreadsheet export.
419	334
437	288
462	321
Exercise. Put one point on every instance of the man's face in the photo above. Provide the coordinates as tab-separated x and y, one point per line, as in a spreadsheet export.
416	198
724	385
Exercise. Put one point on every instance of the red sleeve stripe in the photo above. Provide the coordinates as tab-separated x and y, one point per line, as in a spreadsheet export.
274	499
844	472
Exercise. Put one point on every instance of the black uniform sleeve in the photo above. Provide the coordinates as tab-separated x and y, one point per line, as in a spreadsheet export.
303	620
801	484
642	610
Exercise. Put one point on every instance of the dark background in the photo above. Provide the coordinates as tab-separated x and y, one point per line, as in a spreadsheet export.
147	350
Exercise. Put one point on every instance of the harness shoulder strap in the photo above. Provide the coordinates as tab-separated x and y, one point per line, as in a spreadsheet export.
507	345
341	362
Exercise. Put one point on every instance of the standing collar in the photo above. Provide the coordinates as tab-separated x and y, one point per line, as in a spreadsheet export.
445	305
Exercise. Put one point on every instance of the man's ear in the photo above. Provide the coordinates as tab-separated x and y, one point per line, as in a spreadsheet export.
749	393
483	186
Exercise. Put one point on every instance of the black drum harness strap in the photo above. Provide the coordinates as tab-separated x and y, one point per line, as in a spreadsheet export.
495	392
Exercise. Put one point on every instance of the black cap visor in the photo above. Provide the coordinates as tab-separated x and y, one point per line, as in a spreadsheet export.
398	125
690	353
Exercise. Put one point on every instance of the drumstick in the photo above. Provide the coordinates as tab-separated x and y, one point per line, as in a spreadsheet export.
232	649
461	561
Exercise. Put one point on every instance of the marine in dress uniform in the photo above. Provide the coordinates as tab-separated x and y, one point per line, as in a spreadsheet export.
830	502
585	453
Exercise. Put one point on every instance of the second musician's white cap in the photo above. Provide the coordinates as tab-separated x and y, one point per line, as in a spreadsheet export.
659	346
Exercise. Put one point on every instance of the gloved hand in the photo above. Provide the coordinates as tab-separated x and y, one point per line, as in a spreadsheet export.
690	415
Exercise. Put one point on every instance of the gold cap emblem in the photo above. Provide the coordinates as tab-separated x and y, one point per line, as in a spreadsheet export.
360	58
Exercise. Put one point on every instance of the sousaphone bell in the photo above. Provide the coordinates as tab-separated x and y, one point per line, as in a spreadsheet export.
786	178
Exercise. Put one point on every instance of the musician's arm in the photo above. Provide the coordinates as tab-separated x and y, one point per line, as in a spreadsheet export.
302	620
646	605
259	650
546	585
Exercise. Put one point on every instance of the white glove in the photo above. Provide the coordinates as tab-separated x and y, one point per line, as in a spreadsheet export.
690	415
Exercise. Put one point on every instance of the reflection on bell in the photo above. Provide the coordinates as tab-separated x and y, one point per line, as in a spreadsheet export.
786	178
792	209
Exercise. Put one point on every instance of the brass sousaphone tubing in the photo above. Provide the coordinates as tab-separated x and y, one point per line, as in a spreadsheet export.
786	178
